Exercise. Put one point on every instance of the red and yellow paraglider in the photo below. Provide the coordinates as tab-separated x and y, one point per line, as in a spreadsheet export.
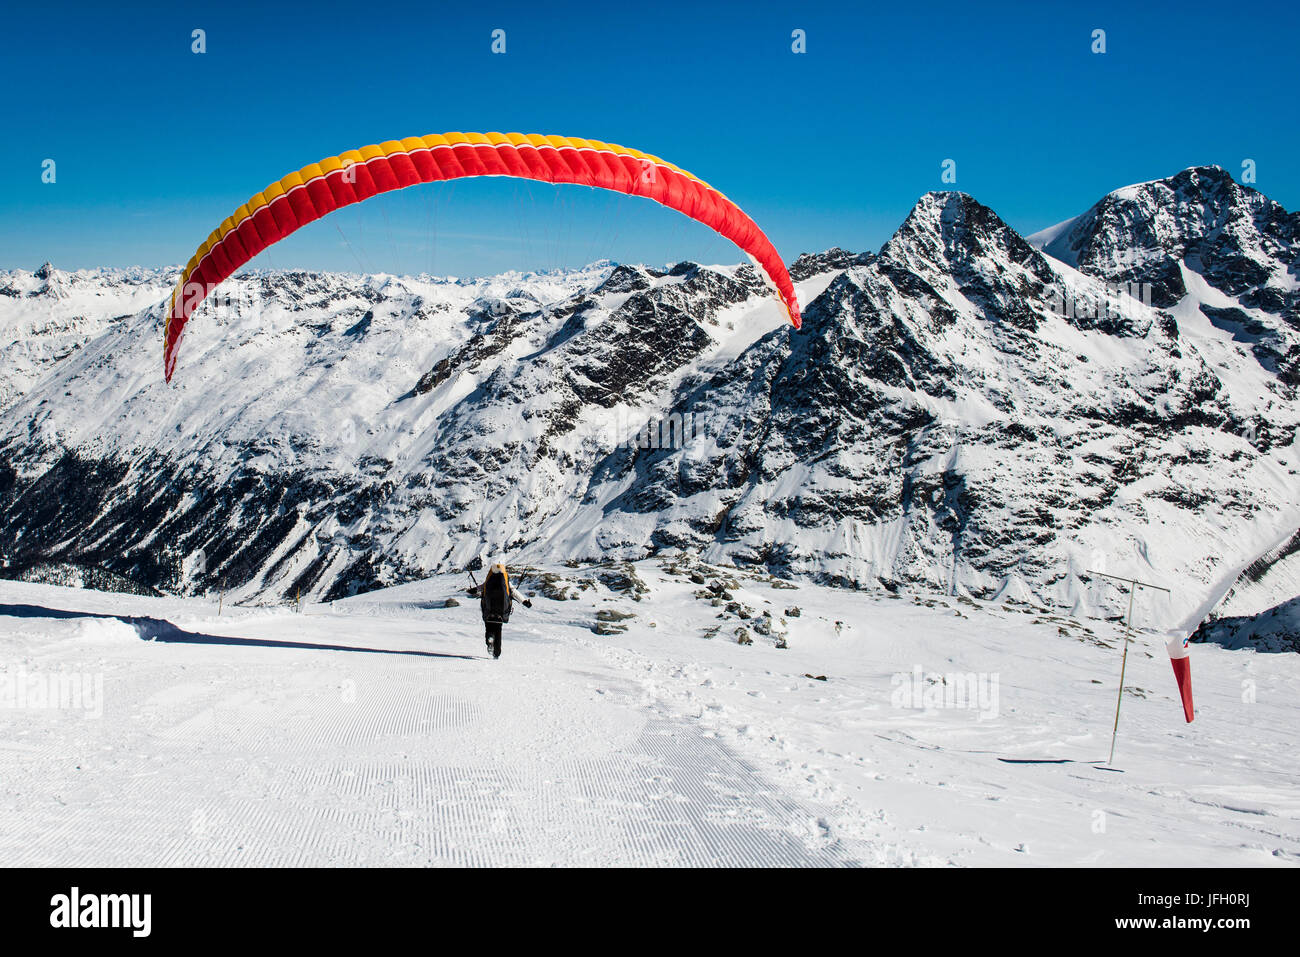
357	175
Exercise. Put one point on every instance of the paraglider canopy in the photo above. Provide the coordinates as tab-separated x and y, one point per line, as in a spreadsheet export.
357	175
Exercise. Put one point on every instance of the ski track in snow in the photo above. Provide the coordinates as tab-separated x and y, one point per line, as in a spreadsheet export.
377	732
434	761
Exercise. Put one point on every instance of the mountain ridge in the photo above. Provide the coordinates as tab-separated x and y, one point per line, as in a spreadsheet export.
939	424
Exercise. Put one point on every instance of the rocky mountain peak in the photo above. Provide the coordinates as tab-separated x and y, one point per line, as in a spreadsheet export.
1231	234
951	231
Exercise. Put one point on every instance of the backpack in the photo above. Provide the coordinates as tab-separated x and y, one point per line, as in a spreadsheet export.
495	600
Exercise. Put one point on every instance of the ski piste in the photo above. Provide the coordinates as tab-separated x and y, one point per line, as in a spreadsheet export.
371	730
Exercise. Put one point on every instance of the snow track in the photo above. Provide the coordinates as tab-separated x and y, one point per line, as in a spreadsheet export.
400	750
378	732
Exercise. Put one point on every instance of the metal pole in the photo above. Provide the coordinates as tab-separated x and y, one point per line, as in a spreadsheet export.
1128	630
1133	586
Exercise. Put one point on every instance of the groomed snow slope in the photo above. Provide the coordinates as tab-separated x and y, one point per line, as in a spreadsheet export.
375	731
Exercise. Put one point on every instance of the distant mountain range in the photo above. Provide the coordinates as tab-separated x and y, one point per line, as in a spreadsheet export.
967	410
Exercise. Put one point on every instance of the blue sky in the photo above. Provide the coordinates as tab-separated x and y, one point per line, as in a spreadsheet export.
155	145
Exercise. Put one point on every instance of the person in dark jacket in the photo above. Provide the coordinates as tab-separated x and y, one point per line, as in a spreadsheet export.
496	600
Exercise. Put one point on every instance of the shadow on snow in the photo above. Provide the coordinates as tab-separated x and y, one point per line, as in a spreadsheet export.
159	629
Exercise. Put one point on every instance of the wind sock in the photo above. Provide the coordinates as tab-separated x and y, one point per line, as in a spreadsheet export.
1177	649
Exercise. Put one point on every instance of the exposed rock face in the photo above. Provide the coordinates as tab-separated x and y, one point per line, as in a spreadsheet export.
1273	630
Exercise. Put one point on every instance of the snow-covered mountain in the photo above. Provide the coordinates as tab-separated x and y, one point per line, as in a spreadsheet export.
966	410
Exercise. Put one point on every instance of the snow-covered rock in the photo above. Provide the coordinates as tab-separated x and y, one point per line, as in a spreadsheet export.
1275	629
